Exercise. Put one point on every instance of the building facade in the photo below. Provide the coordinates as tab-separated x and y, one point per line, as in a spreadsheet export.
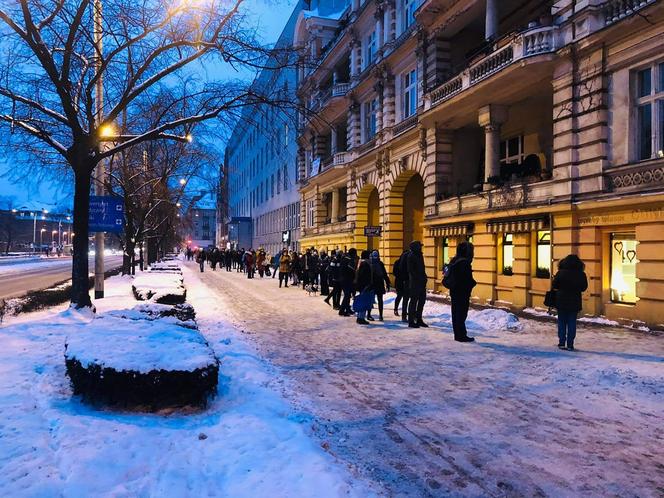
260	160
534	129
200	227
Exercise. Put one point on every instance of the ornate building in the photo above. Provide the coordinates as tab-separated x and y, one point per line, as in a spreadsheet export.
534	129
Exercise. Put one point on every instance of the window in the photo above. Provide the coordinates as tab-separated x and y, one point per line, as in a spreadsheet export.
511	151
370	49
623	267
408	8
649	98
508	254
543	254
408	93
286	177
311	213
278	181
370	119
445	251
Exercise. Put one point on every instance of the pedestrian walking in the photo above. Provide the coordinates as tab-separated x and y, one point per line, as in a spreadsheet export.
459	280
401	269
200	259
569	283
417	285
380	282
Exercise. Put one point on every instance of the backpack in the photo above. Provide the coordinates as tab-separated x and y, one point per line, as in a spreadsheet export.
448	276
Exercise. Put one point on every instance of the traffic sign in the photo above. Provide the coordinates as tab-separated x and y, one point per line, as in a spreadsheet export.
370	231
106	214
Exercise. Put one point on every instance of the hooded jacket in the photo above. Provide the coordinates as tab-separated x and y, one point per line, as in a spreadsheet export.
569	283
417	275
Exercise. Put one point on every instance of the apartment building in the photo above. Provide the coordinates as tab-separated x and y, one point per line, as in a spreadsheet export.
263	208
534	129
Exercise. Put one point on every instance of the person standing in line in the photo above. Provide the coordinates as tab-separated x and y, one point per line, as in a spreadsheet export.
417	285
459	280
334	279
323	263
200	259
275	263
380	282
284	267
347	277
364	288
569	283
399	288
405	286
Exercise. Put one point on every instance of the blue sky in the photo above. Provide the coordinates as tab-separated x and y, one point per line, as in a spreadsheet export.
268	15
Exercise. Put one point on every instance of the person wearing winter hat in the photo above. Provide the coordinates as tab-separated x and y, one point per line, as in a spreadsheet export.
380	282
417	282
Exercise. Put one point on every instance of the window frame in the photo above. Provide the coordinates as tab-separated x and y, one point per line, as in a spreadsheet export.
655	101
507	241
409	82
369	122
540	273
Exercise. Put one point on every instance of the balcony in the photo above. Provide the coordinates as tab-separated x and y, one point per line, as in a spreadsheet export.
507	197
616	10
341	158
330	229
532	42
638	177
404	125
366	147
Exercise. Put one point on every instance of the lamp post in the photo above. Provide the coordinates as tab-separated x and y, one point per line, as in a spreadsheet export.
41	238
100	170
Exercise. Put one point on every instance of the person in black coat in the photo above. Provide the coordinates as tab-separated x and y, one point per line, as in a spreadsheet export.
364	287
459	280
380	282
417	285
570	281
347	278
334	277
401	284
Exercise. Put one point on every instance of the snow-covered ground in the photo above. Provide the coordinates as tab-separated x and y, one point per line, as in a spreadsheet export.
509	415
249	443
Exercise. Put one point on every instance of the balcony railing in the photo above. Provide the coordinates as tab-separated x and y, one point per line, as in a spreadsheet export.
341	158
340	89
404	125
615	10
367	146
534	41
640	176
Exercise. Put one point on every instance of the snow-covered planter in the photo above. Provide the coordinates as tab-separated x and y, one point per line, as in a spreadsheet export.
140	364
160	287
183	315
167	266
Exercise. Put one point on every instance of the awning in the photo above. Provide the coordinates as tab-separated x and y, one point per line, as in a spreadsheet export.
451	230
517	225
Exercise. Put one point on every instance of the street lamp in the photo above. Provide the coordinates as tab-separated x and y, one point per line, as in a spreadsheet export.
41	238
183	182
53	236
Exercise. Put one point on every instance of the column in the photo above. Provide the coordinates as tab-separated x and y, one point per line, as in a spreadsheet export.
388	101
380	28
333	140
301	164
335	205
391	21
353	138
421	57
491	19
356	5
378	88
490	118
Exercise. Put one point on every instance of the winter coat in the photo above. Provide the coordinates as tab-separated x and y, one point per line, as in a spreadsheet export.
399	279
347	270
417	275
333	270
284	263
569	283
363	277
460	274
380	281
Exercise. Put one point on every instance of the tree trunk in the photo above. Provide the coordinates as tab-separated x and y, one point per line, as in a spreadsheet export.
80	292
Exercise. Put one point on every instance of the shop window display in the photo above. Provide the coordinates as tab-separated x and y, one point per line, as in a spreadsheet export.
543	254
508	254
623	268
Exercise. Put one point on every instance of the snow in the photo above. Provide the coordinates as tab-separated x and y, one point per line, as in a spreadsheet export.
421	415
249	443
156	285
124	345
21	265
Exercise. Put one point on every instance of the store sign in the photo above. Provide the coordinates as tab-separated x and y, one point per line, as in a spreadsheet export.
623	217
370	231
106	214
285	236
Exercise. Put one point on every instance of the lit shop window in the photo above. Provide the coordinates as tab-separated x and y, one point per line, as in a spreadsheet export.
508	254
623	267
543	253
445	251
649	95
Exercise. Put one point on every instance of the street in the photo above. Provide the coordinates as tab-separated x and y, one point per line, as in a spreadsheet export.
18	278
421	415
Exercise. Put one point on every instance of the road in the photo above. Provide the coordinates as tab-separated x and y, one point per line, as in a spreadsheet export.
18	278
421	415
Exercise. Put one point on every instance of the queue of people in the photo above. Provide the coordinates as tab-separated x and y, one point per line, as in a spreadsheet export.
353	285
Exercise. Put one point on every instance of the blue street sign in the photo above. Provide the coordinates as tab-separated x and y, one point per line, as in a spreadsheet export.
106	214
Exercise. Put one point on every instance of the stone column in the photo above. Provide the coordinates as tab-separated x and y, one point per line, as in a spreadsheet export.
378	88
301	164
333	140
490	118
335	206
421	57
491	19
353	138
380	28
391	21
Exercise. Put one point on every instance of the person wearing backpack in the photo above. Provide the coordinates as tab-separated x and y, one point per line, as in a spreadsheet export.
458	278
570	281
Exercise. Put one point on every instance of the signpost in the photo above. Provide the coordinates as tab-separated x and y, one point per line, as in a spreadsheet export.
106	214
372	231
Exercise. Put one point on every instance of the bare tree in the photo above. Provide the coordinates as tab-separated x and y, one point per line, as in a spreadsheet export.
51	72
7	222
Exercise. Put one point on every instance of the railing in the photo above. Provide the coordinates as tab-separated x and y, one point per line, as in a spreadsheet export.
340	89
534	41
491	64
615	10
404	125
326	163
639	176
341	158
367	146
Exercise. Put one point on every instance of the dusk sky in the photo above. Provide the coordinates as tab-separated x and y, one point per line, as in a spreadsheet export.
269	16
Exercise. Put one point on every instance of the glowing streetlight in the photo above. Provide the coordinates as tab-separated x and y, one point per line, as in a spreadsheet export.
41	237
14	211
183	182
107	130
178	204
189	137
